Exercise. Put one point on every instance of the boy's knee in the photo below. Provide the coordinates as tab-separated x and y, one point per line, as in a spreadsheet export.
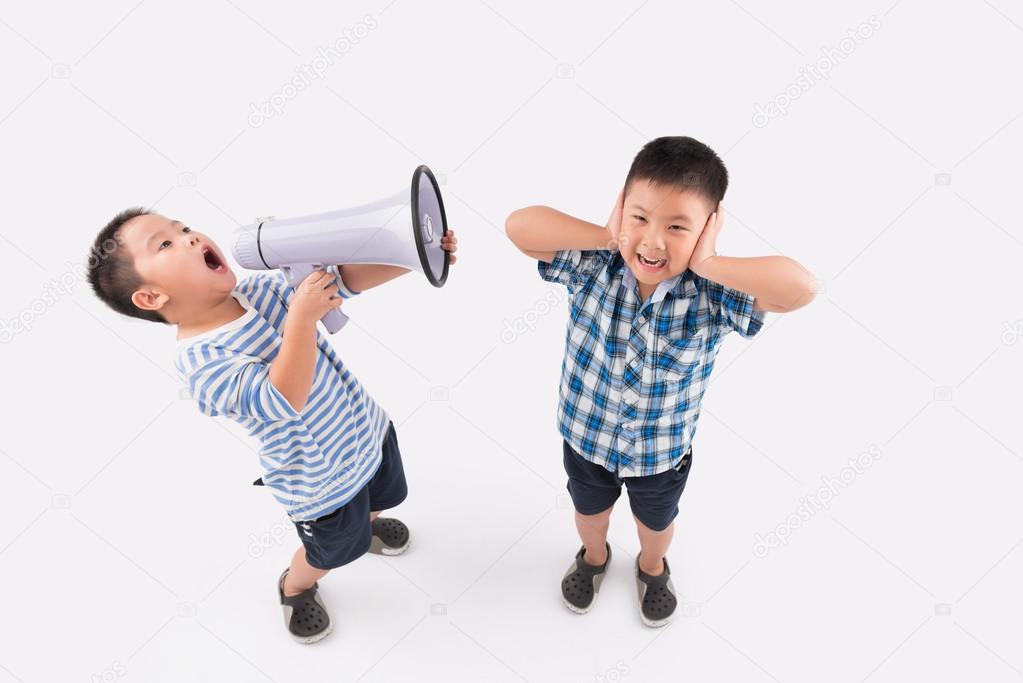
644	528
598	519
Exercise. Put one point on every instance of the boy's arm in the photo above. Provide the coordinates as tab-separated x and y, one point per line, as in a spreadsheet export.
359	277
291	371
540	232
778	283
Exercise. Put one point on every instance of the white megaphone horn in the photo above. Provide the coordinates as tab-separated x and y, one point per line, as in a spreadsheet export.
402	230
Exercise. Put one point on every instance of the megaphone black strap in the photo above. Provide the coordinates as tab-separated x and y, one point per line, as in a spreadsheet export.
259	244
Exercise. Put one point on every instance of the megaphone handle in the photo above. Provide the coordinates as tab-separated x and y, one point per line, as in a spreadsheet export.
334	320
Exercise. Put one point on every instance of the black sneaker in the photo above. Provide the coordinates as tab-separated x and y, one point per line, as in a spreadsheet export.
581	583
304	614
657	598
390	537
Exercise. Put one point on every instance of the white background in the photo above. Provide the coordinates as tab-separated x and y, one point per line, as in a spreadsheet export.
131	544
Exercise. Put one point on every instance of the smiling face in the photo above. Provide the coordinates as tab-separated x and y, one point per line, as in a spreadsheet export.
183	272
660	228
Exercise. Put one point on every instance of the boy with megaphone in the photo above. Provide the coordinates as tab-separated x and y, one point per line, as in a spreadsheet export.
251	351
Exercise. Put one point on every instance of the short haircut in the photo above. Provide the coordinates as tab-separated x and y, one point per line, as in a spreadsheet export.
683	163
112	273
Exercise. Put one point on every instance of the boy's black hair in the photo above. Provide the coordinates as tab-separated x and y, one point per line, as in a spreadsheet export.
112	274
683	163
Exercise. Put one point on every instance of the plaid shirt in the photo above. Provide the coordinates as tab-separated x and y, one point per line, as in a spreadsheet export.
634	372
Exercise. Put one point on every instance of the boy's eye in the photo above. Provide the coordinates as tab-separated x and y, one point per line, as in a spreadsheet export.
165	244
641	219
676	227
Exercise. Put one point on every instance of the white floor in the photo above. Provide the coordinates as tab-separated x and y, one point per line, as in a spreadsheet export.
132	547
878	587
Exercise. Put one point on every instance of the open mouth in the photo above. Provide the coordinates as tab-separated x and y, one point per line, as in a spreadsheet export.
213	260
649	264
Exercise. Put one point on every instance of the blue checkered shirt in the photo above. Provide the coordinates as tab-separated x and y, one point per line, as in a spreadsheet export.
635	371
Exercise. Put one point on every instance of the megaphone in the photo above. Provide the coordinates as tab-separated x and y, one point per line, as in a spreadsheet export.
403	230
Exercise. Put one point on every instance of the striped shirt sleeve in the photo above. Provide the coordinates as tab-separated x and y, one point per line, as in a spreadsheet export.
572	267
233	385
344	291
733	310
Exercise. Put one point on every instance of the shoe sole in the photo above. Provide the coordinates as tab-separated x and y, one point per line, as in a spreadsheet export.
655	623
315	638
377	547
578	610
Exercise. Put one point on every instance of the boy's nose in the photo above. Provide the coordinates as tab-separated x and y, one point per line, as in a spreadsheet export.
652	238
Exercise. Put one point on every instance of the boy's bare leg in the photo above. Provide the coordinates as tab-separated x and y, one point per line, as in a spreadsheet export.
301	575
653	546
593	532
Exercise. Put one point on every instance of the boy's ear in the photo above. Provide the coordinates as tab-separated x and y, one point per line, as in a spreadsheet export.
149	299
710	216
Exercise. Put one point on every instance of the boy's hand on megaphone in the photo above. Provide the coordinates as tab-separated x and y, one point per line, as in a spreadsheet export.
315	296
449	243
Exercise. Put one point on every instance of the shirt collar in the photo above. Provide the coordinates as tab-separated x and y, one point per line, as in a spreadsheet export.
682	286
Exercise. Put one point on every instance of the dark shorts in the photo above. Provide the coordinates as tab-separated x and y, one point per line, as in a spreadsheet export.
345	534
654	499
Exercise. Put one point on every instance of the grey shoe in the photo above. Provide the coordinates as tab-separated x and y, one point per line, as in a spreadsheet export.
390	537
581	582
305	615
657	597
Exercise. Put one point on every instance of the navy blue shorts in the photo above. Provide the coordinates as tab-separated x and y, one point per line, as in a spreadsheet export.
345	534
654	499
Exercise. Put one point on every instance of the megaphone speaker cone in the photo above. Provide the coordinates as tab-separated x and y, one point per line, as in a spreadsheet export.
429	223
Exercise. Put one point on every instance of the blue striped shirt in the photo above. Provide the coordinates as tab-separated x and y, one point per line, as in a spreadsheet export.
635	371
314	460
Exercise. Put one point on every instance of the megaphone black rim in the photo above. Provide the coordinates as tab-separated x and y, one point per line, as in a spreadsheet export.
420	244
